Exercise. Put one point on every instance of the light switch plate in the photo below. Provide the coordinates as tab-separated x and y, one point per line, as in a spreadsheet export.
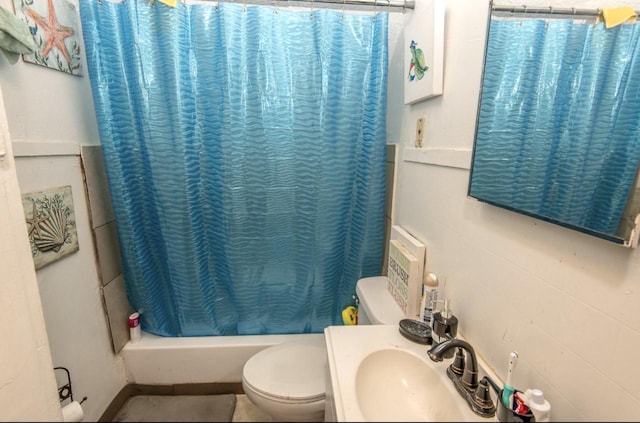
419	132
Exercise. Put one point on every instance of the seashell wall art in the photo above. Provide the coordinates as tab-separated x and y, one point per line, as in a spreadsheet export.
51	224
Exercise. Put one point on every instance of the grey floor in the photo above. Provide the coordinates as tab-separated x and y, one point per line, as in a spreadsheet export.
186	408
247	412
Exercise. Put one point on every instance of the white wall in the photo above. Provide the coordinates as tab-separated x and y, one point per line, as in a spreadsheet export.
70	291
27	383
567	302
50	112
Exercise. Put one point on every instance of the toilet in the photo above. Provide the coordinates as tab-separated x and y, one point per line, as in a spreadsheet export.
287	381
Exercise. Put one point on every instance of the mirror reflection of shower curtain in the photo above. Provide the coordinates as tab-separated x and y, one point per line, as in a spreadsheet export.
245	151
558	133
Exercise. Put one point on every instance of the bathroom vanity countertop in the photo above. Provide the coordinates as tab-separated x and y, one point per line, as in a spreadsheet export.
349	346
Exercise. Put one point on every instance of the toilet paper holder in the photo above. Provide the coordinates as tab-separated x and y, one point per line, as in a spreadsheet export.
65	391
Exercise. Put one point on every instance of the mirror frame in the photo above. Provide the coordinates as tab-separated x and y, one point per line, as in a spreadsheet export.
628	232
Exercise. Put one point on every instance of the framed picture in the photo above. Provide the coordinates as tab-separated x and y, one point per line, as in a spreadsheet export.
424	51
54	26
51	224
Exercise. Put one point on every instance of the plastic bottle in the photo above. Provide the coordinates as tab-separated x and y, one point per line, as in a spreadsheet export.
134	327
429	295
540	407
423	299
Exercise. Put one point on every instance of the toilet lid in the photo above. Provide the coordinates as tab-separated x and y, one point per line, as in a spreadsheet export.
291	371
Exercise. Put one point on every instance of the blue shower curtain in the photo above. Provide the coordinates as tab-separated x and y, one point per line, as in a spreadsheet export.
564	98
245	151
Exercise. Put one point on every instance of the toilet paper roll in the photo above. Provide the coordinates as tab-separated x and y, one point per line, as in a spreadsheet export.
72	412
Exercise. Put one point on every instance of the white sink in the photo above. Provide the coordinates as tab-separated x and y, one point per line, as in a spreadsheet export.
395	384
375	374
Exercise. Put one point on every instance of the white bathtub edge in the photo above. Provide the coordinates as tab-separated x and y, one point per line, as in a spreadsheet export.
156	360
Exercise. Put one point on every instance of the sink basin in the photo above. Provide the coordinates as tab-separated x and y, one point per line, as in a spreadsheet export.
397	385
376	374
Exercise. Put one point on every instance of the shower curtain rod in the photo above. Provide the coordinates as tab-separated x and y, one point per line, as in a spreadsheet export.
388	5
548	10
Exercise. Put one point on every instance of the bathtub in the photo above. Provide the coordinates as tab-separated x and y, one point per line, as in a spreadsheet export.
158	360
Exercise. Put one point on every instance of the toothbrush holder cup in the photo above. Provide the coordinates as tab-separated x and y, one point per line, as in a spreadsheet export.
504	414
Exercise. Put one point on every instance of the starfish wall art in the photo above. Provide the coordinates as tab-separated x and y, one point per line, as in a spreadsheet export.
54	26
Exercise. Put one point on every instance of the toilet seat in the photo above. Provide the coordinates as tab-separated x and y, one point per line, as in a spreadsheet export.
293	372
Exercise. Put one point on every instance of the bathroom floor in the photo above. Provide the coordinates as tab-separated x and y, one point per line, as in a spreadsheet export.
189	408
247	412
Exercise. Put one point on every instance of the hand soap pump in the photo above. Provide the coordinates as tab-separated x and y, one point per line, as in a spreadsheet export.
429	296
445	326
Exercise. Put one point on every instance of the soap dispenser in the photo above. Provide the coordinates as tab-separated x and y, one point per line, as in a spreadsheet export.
445	325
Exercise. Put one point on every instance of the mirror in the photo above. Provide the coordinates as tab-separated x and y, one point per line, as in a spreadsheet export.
558	125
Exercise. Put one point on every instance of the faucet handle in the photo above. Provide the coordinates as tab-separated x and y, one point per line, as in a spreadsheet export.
481	402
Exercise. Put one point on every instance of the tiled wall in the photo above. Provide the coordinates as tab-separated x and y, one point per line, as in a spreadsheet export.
388	202
103	226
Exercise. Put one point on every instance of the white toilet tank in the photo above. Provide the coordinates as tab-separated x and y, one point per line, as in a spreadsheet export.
377	306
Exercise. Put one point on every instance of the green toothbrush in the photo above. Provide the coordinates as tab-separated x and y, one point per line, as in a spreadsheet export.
507	388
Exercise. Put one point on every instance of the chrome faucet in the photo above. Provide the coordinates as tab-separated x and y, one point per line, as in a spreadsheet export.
463	372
